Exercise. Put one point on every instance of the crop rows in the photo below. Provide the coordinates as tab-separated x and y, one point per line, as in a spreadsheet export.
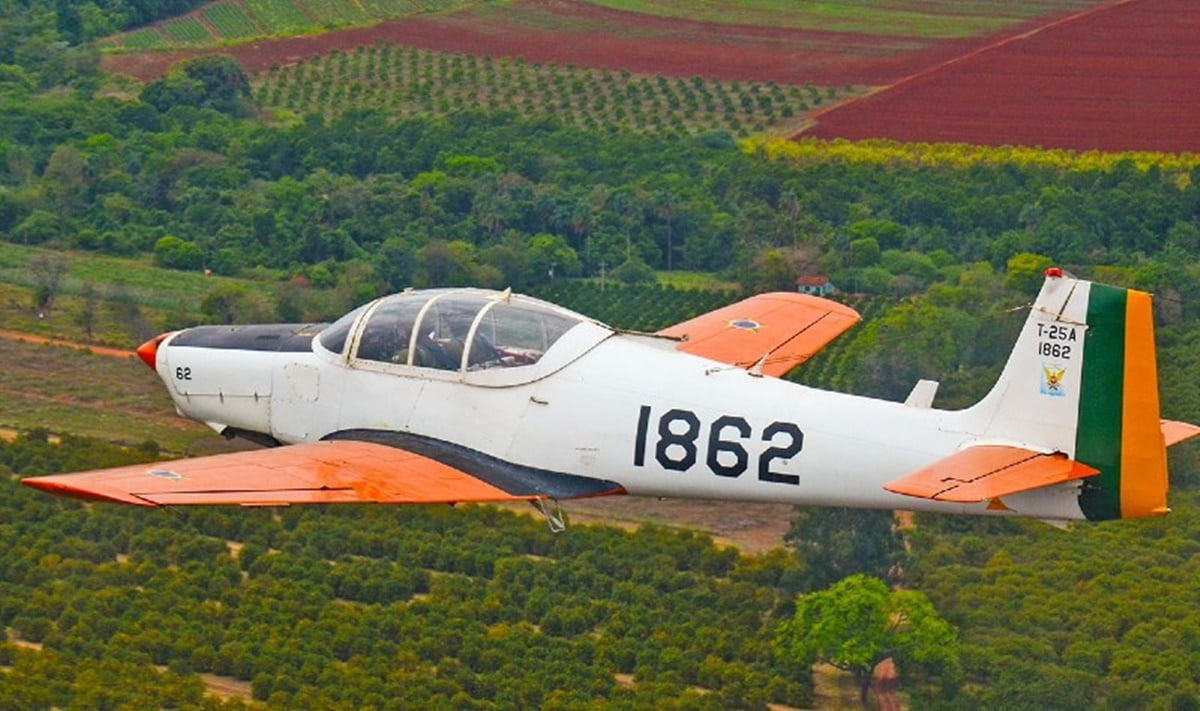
279	16
230	21
828	368
186	30
234	22
336	12
407	81
635	308
651	308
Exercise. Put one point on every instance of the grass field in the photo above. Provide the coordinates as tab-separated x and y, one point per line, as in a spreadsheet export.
157	292
696	280
919	19
230	21
931	19
187	31
69	390
236	22
279	16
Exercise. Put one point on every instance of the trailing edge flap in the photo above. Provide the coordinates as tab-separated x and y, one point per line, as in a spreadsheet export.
340	471
986	472
1175	432
779	331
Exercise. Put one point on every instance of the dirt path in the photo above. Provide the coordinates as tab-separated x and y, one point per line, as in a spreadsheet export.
884	685
98	350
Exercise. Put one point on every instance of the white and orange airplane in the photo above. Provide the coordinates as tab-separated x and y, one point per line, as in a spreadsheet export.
467	395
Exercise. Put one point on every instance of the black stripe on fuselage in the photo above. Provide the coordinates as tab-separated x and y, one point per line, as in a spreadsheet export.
511	478
283	337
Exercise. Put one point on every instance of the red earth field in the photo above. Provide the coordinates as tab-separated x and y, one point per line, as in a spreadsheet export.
571	32
1125	76
1122	77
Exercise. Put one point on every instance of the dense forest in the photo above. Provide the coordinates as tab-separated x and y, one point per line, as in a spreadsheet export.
939	247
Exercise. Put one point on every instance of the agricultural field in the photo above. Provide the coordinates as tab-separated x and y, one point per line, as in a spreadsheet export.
637	308
72	390
406	81
228	22
839	43
133	298
924	18
1120	78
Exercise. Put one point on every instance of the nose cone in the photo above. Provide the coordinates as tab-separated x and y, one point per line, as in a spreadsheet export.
148	351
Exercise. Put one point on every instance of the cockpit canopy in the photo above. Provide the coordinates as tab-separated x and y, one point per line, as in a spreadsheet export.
450	329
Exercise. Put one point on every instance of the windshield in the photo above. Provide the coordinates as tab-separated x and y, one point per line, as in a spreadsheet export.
334	336
459	329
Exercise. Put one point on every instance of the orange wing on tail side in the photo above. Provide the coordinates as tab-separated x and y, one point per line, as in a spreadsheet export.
1175	432
988	471
775	332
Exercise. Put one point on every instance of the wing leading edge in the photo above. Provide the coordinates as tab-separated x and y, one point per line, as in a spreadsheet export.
343	470
775	332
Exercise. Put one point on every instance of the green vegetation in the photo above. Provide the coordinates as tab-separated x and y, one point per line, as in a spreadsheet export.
281	16
355	607
1098	617
68	390
185	31
239	22
859	622
837	543
230	21
637	308
937	19
344	196
406	81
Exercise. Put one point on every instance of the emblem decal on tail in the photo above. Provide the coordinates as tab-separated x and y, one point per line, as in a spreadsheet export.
1052	379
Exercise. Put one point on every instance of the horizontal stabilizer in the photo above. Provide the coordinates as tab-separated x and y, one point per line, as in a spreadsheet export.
341	471
1175	432
985	472
775	332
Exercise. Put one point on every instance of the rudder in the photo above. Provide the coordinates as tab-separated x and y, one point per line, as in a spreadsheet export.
1082	380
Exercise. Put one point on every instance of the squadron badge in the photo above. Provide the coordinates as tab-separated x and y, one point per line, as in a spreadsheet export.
1052	380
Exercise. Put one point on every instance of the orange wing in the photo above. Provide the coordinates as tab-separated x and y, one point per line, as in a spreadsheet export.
341	471
781	330
1175	432
988	471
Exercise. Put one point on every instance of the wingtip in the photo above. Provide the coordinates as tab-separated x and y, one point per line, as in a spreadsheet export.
1175	432
61	486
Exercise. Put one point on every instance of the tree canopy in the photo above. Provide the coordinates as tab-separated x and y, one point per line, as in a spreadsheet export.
858	622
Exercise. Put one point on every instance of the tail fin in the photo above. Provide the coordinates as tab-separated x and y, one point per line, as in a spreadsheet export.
1082	380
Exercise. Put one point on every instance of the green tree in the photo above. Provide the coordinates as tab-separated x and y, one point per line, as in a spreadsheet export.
858	623
548	256
233	303
635	271
836	542
47	271
214	81
170	251
1025	272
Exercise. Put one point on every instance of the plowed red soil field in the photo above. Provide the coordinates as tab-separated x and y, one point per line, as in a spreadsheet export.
570	32
1122	77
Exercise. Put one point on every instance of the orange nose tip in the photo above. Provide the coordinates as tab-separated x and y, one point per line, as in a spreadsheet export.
148	351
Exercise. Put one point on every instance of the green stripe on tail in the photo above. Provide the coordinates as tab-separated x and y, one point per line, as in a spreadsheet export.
1098	438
